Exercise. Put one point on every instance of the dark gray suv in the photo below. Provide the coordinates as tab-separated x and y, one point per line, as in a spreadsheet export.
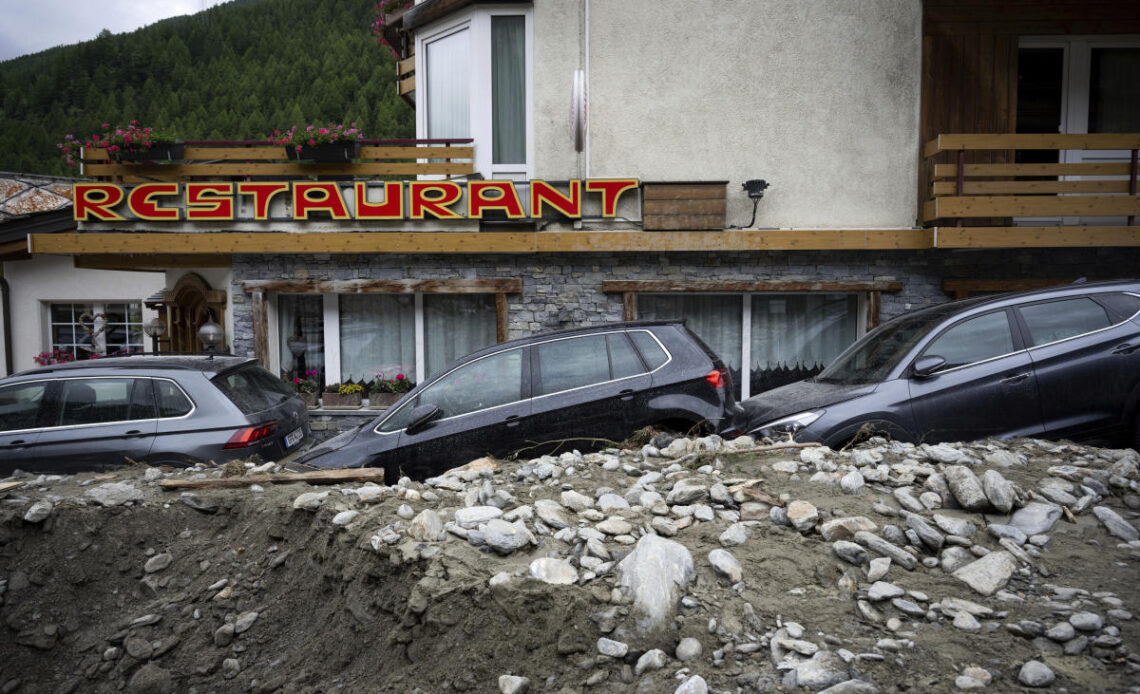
176	410
1053	363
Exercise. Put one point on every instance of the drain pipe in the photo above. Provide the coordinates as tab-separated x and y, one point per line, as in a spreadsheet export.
6	307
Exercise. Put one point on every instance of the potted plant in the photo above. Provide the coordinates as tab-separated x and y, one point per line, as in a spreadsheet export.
131	143
306	387
388	11
321	143
343	396
384	392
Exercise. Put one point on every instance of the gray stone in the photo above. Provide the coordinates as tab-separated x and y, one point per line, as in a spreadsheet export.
310	501
929	536
427	526
802	515
150	679
615	526
504	537
942	453
202	504
878	568
907	500
474	516
38	512
1061	632
688	649
224	635
244	621
611	648
1036	518
158	562
552	513
1003	459
555	571
851	687
138	648
881	590
1034	673
726	565
513	684
845	528
909	608
988	574
231	668
1011	532
850	552
735	534
954	558
1115	525
998	490
612	502
882	547
694	685
852	482
1086	621
114	493
655	575
344	518
576	501
967	622
966	487
824	669
653	659
687	491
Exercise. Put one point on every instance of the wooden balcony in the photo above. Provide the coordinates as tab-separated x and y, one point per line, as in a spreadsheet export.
1088	200
245	160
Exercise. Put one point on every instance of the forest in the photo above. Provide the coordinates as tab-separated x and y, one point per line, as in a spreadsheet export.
237	71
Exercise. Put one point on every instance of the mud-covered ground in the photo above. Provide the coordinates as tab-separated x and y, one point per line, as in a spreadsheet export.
282	588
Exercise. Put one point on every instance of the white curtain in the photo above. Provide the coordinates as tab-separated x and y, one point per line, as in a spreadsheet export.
377	336
448	86
508	89
805	329
455	325
715	318
301	314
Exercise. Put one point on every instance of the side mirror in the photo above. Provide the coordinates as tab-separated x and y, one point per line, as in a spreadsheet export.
926	366
421	418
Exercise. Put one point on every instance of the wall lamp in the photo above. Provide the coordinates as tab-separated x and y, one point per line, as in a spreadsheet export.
755	188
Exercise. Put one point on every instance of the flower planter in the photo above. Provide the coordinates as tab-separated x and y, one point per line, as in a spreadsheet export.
310	400
336	401
379	401
171	152
332	153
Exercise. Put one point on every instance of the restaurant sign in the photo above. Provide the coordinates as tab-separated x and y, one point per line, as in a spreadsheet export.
359	201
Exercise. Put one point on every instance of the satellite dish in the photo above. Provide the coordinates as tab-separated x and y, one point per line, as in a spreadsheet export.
578	101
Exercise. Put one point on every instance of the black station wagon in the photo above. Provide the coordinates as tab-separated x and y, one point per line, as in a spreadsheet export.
175	410
1054	363
572	389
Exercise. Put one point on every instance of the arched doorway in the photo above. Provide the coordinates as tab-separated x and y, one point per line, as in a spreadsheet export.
187	306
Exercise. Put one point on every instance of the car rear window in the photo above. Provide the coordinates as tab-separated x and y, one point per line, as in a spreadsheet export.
1124	305
172	402
252	389
650	350
1059	320
573	363
20	405
623	359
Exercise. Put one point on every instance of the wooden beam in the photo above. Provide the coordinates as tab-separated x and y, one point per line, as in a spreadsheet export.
260	309
178	172
1031	206
874	308
406	65
480	242
944	188
407	86
629	306
367	474
497	285
502	316
956	141
1036	237
697	286
693	191
241	155
950	171
156	261
20	246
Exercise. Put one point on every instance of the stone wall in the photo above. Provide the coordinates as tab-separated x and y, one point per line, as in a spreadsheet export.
564	290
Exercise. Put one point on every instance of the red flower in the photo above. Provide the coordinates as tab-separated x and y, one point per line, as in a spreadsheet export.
399	377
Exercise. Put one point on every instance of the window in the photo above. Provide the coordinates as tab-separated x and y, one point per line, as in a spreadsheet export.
172	402
790	337
572	363
624	361
357	337
104	329
252	389
476	79
20	405
651	350
973	340
101	400
1060	320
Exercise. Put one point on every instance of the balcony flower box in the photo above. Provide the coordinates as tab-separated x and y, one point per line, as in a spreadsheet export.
173	151
332	153
343	396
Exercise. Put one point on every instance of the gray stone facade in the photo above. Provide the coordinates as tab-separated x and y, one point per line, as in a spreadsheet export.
564	290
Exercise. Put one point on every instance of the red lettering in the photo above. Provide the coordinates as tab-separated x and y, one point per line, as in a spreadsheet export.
542	193
262	195
507	199
142	206
391	208
444	193
93	202
207	201
611	189
318	197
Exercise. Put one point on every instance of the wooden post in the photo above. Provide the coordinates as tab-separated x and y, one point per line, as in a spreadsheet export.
502	328
629	306
260	309
874	305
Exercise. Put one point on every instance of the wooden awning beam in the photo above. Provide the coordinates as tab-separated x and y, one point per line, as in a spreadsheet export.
504	285
697	286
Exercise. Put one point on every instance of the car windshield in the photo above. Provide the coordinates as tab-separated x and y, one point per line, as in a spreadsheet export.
870	359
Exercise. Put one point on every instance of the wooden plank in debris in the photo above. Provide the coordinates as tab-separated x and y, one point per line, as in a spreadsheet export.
367	474
6	487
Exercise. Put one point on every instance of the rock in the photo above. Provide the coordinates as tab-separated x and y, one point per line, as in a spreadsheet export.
954	558
823	670
694	685
1115	525
1010	532
114	493
427	526
850	552
552	513
244	621
611	648
735	534
1086	621
688	649
845	528
504	537
609	503
1061	632
851	687
687	491
344	518
615	526
150	679
474	516
1003	459
231	667
790	467
203	504
158	562
988	574
802	515
941	453
513	684
310	501
224	635
881	590
998	490
967	622
1034	673
927	534
576	501
966	488
655	575
852	482
653	659
882	547
556	571
39	512
726	565
905	497
1036	518
138	648
878	568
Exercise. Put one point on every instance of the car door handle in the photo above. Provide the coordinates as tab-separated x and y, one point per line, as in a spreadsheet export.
134	432
1018	378
17	442
626	394
1126	348
512	421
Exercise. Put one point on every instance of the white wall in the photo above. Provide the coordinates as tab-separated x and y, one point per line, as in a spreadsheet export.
819	97
45	279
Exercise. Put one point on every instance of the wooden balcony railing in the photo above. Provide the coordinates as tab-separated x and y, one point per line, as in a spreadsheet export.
239	160
968	191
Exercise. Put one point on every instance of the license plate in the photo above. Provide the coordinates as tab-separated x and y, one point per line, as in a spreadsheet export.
294	437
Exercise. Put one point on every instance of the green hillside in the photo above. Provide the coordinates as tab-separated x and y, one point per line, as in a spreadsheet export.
235	71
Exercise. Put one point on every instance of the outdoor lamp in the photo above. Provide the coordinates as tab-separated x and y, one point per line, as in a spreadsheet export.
211	335
154	329
755	188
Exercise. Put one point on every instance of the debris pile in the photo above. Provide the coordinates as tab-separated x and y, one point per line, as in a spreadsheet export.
685	565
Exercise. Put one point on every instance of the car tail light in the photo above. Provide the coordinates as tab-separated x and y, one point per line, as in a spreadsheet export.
251	435
719	378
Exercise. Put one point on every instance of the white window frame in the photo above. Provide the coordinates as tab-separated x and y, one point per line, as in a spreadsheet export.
478	22
97	307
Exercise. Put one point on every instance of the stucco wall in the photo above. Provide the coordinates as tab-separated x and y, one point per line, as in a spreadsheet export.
819	97
46	279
